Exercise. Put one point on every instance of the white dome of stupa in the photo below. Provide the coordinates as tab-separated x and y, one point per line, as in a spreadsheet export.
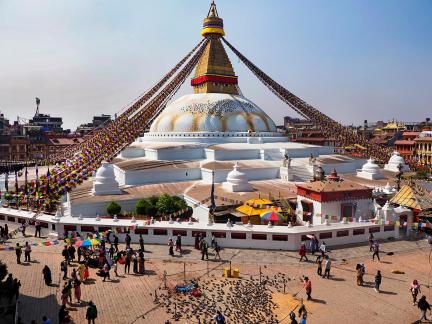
370	170
212	112
237	181
105	182
393	163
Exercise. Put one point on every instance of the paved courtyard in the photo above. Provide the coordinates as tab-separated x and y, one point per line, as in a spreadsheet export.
130	298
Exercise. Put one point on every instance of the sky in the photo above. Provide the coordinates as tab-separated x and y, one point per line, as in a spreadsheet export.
353	60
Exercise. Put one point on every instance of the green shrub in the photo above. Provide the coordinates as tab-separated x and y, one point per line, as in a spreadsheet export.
113	208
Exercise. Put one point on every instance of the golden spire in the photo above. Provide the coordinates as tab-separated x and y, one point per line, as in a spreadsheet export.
213	24
214	72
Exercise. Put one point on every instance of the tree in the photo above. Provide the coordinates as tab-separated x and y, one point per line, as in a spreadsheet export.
145	207
179	203
166	204
113	208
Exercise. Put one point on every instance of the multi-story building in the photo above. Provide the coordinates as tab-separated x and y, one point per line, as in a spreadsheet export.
407	145
424	148
48	123
98	121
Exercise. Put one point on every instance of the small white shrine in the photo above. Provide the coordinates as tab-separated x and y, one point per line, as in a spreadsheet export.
394	162
370	170
237	181
105	182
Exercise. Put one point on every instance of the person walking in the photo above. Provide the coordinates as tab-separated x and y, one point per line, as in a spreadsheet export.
111	251
91	313
424	306
378	278
6	231
47	275
115	268
116	242
63	268
204	250
18	252
371	242
71	250
197	240
216	250
141	243
27	251
360	273
307	284
23	228
375	251
79	253
77	290
127	263
74	274
327	267
86	272
213	241
319	262
323	249
302	252
128	240
135	263
38	228
178	244
81	270
141	265
219	318
303	319
65	254
68	287
106	272
312	245
293	318
415	290
170	247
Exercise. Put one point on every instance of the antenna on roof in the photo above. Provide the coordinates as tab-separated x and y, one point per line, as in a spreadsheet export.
37	106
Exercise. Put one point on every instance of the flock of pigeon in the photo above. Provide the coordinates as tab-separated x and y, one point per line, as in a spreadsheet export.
239	300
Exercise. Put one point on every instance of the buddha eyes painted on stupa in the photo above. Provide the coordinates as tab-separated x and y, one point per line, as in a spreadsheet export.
219	108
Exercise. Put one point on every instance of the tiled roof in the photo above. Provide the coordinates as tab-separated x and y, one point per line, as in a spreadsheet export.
411	198
332	186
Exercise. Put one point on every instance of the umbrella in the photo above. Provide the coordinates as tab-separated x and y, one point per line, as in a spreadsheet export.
272	216
87	242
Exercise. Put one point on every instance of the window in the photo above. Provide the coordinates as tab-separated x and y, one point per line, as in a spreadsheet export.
2	217
374	230
179	232
277	237
326	235
160	231
305	238
195	233
358	231
342	233
103	228
219	234
143	231
259	236
388	228
238	236
87	229
11	219
70	227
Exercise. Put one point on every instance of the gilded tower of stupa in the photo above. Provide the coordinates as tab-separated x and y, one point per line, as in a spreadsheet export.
214	72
